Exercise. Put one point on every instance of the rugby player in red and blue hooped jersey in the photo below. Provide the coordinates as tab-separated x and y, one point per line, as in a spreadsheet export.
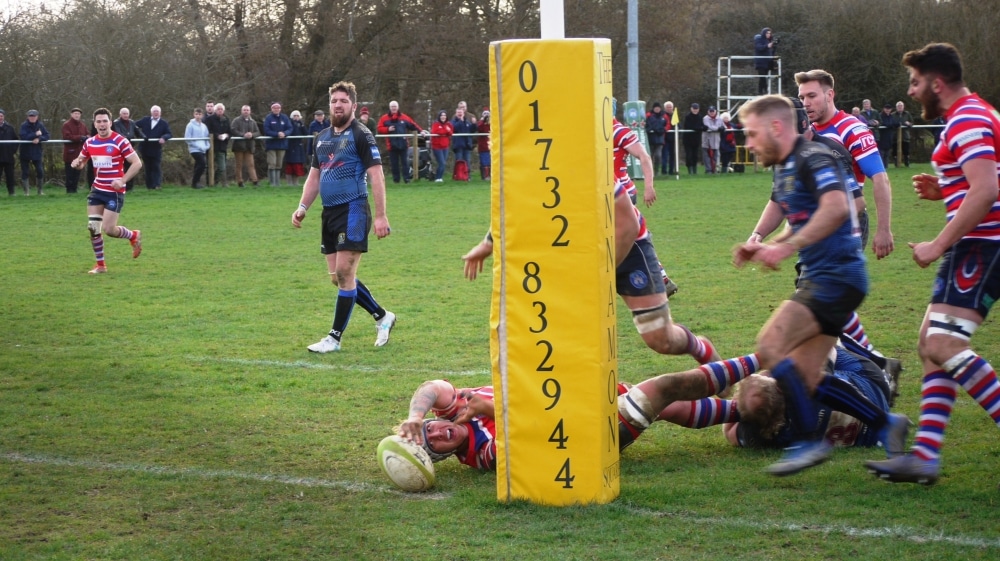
344	155
626	143
968	278
640	279
464	422
817	94
108	151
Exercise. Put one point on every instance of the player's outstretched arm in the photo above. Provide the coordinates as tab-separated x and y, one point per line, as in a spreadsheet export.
432	394
476	256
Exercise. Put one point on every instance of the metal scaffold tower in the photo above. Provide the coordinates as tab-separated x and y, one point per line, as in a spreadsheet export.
735	85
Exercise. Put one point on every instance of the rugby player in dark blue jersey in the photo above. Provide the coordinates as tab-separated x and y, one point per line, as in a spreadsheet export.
810	191
344	155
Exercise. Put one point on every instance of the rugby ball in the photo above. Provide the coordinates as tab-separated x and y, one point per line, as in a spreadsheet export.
406	464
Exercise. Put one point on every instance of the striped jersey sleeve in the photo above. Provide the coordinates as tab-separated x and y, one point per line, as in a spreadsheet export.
858	139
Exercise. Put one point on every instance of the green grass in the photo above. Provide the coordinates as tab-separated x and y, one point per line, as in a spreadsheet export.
168	409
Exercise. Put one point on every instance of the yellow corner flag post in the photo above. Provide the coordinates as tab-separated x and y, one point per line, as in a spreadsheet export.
553	338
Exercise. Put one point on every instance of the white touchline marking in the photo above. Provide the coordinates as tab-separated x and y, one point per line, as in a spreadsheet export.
322	366
900	532
16	457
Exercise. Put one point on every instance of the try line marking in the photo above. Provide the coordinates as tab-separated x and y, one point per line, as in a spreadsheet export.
898	532
324	366
15	457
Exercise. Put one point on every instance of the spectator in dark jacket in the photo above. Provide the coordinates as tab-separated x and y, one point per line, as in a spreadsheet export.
218	128
887	134
124	126
277	126
7	151
74	130
396	123
763	50
244	130
317	125
155	132
462	145
905	121
656	132
693	126
295	156
31	154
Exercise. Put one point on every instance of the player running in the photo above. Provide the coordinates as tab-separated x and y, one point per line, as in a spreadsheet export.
968	279
108	151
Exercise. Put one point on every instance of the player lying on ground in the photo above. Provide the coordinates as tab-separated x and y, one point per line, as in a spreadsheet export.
464	422
760	406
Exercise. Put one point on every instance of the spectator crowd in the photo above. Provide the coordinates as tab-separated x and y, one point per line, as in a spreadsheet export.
707	139
210	136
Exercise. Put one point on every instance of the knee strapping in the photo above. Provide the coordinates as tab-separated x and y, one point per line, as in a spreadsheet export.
944	324
959	361
94	222
652	319
636	409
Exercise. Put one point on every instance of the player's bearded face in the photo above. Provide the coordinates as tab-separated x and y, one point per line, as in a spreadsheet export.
341	109
922	90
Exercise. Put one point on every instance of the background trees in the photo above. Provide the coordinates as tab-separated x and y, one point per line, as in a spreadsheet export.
429	54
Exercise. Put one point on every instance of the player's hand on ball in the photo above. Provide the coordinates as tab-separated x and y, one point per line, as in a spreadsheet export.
412	430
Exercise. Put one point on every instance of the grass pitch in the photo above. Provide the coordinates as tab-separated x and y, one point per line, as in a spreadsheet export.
169	409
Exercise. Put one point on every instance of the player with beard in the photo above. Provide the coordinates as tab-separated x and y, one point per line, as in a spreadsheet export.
968	278
810	191
344	155
108	151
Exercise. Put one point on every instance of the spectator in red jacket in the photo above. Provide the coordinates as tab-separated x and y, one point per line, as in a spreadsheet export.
75	131
396	123
441	132
483	142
